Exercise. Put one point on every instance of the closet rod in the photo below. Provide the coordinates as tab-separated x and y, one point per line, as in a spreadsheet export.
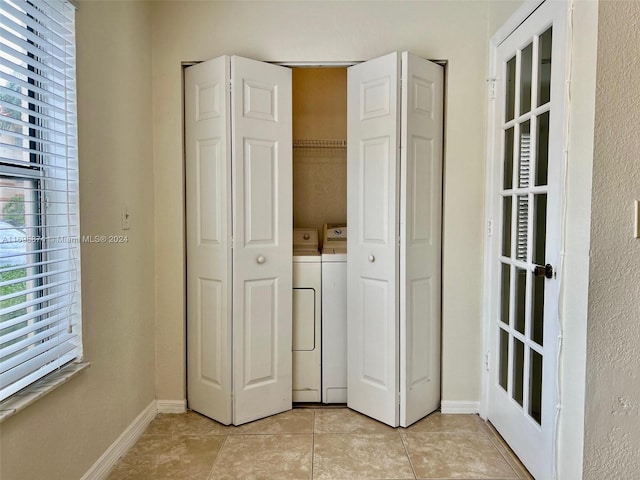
319	144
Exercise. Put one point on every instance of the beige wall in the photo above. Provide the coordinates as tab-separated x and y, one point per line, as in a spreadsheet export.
319	103
612	418
499	13
66	431
332	31
319	174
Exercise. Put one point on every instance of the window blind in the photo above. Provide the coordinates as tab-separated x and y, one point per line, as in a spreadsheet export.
40	312
524	177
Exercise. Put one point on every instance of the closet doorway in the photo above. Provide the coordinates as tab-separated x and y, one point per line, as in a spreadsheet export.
239	237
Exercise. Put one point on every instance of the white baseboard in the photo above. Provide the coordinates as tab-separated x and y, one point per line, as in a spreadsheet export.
172	406
456	406
103	466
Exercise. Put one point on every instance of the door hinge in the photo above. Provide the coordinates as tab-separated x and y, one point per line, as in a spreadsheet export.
233	243
398	397
492	87
230	85
490	227
486	361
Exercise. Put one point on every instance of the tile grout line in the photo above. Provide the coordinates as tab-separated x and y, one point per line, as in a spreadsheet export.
313	443
495	443
215	460
508	454
406	451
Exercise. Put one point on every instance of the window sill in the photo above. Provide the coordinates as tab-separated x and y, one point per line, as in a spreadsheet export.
39	389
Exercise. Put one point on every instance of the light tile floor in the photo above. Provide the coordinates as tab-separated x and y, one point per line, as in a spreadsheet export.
318	444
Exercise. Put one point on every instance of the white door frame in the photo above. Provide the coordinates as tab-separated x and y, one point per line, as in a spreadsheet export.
492	173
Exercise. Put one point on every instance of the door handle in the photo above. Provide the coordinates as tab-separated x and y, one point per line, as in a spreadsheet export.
372	258
546	271
261	259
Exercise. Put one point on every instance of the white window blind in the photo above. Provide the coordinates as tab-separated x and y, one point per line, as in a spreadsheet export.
40	313
524	177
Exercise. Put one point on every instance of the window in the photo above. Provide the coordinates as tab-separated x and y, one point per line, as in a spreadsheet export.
40	314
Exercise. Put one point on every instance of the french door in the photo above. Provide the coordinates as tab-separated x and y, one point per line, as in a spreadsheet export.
525	261
239	234
394	178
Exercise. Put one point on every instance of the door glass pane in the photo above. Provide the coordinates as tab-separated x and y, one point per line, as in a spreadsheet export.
542	149
503	370
521	292
508	159
511	89
544	67
537	309
518	370
539	228
535	386
505	284
524	164
526	59
506	226
522	227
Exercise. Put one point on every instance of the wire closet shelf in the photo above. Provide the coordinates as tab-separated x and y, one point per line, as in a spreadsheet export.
319	144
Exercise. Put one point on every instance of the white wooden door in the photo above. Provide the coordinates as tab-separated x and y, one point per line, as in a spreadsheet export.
394	246
373	138
527	204
262	236
420	234
238	184
208	212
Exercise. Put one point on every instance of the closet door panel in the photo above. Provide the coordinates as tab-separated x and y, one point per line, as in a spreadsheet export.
372	263
208	212
262	254
420	235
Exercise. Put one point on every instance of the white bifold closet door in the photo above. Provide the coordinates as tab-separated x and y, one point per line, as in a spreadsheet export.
395	108
239	259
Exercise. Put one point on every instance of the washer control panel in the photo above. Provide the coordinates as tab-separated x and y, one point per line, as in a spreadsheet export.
334	236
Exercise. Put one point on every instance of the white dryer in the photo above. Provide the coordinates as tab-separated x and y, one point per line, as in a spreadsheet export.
307	304
334	314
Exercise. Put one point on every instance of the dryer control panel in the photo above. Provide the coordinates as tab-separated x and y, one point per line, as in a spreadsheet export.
305	240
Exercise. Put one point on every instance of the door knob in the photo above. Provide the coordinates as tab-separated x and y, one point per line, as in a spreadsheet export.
260	259
372	258
546	271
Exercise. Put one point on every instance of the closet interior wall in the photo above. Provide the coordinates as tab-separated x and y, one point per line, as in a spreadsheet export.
319	172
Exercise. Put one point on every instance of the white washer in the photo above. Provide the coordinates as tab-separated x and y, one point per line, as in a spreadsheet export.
334	314
307	314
